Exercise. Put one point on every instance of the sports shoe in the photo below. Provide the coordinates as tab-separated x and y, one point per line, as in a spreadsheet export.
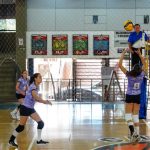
13	115
135	138
42	142
13	144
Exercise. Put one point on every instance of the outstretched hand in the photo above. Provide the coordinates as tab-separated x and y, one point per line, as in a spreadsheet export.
47	102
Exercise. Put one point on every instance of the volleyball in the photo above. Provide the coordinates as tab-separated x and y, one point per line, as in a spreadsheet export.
128	25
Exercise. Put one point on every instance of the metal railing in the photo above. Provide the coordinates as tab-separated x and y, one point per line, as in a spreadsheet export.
82	90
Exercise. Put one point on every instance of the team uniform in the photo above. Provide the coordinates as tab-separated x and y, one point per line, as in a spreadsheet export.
27	109
23	85
133	96
134	88
134	37
28	105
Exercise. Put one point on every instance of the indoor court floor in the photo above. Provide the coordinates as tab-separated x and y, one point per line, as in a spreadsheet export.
74	126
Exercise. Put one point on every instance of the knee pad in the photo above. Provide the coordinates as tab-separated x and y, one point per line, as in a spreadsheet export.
20	128
135	118
128	117
40	124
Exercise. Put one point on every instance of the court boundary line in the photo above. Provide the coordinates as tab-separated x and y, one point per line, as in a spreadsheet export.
32	142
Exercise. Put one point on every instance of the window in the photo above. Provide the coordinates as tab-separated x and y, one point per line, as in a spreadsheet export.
7	24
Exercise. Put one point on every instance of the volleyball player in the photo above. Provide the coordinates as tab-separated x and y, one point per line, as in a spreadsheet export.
21	88
27	109
132	102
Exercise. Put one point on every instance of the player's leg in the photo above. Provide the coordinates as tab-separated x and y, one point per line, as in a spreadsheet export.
15	113
128	117
136	117
20	128
128	113
18	108
40	126
24	113
136	136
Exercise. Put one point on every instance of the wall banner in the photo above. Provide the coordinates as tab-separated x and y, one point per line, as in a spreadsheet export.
39	44
60	44
101	44
80	44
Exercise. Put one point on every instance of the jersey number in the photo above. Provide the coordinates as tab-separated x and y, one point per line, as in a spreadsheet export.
136	86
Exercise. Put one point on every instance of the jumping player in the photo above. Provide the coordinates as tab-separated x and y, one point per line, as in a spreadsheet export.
27	109
21	88
135	79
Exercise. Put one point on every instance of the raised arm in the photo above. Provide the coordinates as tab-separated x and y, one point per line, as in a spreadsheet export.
123	69
130	47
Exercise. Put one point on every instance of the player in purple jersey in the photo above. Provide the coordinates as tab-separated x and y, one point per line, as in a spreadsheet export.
132	105
21	88
27	109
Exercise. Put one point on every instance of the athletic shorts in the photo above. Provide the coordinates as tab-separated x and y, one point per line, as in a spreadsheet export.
132	99
19	96
25	111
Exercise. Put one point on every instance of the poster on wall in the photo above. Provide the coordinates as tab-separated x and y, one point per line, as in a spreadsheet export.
101	44
39	44
121	40
60	44
80	44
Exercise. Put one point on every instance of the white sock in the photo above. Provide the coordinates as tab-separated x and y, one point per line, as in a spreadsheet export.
15	133
136	123
39	131
137	129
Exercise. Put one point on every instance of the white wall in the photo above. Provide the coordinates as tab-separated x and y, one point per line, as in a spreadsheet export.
77	15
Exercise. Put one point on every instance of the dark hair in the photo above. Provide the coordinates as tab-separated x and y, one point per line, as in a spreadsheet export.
136	71
32	79
137	25
22	72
